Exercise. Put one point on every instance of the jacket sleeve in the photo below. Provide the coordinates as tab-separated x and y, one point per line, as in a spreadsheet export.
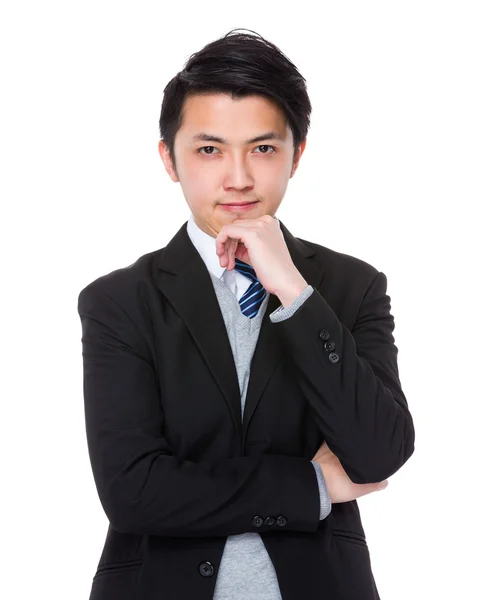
351	380
281	314
144	488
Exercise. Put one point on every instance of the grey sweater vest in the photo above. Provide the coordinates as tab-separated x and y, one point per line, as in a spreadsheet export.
246	571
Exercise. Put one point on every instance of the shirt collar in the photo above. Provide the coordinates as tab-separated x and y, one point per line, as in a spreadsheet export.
205	245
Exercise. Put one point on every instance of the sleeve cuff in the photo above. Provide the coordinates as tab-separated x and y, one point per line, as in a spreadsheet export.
281	313
325	503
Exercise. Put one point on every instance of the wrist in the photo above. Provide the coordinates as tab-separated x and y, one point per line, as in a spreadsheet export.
291	290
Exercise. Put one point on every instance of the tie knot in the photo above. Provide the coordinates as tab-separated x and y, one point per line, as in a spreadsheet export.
245	269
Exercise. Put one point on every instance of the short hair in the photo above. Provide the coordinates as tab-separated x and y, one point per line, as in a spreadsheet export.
240	64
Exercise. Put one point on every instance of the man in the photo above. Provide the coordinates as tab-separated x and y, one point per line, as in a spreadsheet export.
241	385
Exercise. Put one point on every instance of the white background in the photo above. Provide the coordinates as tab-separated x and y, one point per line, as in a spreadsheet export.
390	174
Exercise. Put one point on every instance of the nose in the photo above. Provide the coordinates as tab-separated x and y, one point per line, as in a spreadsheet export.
238	175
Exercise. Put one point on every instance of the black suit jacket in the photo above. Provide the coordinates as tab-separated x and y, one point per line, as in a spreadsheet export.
176	469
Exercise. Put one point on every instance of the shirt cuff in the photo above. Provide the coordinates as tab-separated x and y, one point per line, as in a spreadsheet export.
281	313
325	503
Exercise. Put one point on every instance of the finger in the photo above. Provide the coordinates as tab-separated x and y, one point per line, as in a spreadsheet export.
226	258
223	253
231	231
220	241
227	255
219	249
231	251
230	235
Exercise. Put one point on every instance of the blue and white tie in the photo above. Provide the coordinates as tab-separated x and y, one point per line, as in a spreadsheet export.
253	297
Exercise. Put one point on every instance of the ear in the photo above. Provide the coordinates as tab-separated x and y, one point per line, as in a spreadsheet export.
297	156
167	160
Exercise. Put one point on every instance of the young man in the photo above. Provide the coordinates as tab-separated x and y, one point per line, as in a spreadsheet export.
241	384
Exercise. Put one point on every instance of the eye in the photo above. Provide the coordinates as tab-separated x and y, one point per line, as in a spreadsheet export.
203	147
266	146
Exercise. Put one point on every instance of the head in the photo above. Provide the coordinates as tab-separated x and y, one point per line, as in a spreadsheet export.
233	127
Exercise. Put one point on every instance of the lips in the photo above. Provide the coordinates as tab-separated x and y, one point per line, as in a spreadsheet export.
239	206
239	203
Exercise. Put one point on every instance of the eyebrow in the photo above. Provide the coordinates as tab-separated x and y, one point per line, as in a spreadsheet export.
270	135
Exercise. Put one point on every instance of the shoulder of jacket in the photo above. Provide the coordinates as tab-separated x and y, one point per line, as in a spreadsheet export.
334	261
124	280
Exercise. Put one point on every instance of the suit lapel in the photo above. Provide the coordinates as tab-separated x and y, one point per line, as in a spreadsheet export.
183	278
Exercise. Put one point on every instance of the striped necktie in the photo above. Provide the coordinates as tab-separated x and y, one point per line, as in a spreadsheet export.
253	297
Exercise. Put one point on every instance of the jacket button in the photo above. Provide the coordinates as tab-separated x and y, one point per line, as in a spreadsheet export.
333	357
329	346
269	521
324	334
281	521
257	521
206	569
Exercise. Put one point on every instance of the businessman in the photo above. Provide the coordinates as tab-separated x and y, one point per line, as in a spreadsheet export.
241	384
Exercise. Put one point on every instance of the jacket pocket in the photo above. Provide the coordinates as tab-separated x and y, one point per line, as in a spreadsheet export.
352	566
349	536
117	567
117	581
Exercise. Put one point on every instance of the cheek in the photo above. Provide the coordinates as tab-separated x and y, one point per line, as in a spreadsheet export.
273	177
197	180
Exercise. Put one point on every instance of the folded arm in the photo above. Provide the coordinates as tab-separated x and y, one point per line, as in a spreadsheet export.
351	381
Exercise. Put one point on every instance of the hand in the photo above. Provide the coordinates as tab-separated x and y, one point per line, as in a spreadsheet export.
260	243
339	485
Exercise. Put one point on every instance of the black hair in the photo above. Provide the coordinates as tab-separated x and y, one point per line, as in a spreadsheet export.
240	64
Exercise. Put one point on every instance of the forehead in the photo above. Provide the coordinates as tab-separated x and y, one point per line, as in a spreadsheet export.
236	119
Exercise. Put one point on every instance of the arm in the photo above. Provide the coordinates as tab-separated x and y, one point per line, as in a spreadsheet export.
280	314
143	487
351	380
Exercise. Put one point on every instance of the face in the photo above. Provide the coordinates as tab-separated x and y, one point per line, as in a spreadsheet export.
231	151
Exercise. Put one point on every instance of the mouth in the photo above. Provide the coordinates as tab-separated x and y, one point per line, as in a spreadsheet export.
239	205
